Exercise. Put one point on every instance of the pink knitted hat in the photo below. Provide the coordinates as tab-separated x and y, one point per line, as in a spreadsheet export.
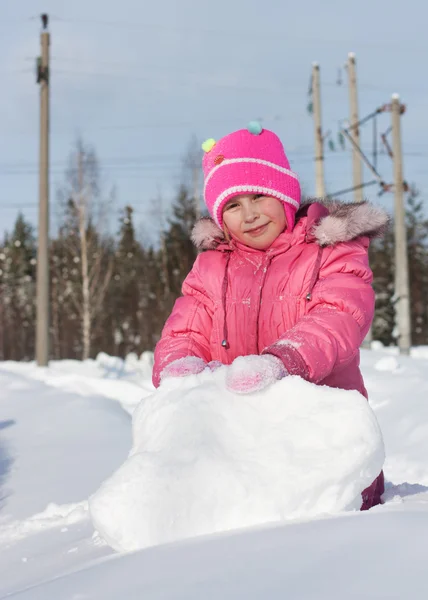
249	161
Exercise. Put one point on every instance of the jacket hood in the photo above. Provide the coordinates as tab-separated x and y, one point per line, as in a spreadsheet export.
328	222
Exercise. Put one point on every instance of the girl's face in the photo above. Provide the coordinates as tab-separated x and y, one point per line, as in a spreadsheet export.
254	220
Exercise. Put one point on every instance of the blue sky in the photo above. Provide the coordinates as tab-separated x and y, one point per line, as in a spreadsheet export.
138	80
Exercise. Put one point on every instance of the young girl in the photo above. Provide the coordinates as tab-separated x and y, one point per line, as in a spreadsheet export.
286	285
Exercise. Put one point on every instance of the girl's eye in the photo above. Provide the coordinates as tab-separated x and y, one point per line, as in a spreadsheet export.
232	205
258	196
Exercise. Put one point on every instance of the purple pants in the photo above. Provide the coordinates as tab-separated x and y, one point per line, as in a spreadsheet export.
372	495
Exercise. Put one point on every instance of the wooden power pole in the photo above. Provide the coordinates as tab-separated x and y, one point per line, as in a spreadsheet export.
402	293
354	130
319	140
42	294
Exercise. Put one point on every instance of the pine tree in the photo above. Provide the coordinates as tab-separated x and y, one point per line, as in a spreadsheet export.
128	313
179	248
382	260
66	287
381	255
417	239
18	260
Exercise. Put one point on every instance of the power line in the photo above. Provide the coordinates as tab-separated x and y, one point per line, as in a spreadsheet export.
261	89
249	37
152	160
18	21
304	157
18	206
353	188
160	124
296	88
111	161
16	71
168	69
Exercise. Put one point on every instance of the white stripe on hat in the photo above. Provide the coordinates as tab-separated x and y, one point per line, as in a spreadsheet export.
259	161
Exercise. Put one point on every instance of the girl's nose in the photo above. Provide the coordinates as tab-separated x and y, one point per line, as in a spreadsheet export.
250	213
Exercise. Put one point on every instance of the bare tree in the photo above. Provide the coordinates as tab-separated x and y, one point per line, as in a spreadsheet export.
86	249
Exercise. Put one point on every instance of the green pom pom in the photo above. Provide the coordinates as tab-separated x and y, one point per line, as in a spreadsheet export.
255	127
208	145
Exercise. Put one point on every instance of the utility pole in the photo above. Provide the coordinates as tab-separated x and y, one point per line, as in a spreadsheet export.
401	262
319	140
42	294
354	130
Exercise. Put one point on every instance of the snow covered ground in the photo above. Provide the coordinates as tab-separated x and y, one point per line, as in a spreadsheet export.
66	429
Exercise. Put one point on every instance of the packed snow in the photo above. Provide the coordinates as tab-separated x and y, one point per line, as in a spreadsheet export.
66	434
205	460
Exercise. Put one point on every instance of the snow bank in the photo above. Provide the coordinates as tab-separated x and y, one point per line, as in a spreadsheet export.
379	556
53	516
115	367
60	444
387	363
205	460
399	398
420	352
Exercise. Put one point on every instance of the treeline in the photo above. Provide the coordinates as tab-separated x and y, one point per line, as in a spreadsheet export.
114	293
383	266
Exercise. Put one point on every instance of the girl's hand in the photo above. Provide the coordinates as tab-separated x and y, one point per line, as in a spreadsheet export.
188	365
254	373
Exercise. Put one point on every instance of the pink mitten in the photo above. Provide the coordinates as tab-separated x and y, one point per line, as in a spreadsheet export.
188	365
253	373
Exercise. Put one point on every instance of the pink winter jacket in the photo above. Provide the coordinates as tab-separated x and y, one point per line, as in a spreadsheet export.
307	299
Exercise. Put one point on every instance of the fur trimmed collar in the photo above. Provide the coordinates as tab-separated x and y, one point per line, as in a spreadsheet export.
328	223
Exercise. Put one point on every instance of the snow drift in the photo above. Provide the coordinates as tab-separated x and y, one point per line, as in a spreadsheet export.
205	460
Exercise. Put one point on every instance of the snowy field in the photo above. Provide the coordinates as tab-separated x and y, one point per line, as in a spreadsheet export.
70	457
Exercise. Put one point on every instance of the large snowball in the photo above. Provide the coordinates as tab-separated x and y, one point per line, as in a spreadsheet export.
205	460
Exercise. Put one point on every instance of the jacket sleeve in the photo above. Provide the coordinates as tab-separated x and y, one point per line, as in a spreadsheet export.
338	316
187	331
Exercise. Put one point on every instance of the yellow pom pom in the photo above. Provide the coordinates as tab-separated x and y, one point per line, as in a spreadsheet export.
208	145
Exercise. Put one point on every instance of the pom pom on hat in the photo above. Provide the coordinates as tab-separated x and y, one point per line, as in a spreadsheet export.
255	127
208	145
